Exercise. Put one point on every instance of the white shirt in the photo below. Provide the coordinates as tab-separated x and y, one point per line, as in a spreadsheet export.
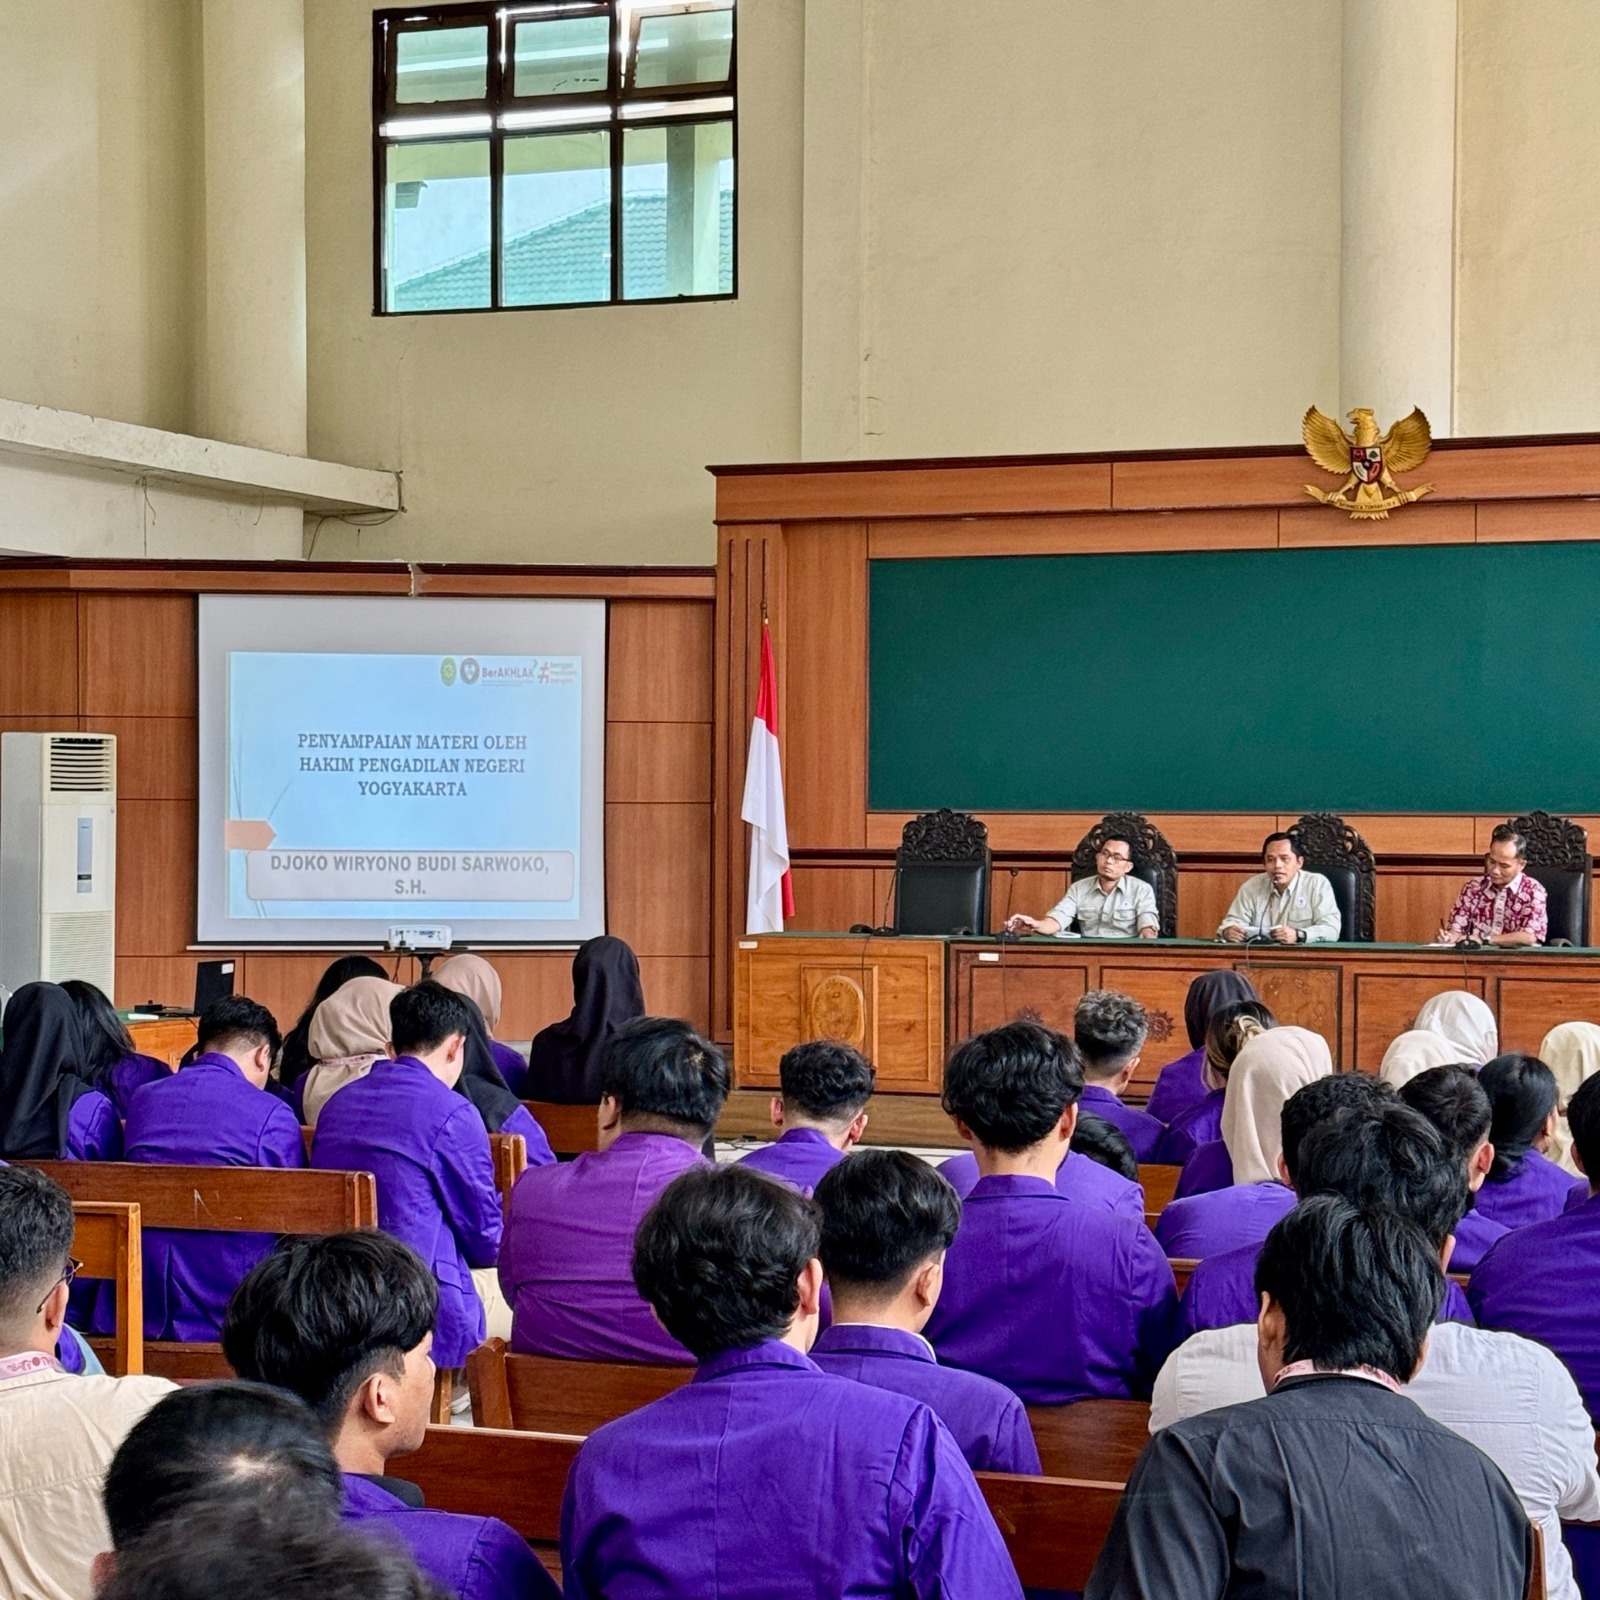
1510	1397
1306	901
1130	906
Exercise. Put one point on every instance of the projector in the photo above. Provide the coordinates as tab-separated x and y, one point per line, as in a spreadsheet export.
435	937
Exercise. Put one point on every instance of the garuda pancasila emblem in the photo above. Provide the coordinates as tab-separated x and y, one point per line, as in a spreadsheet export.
1365	462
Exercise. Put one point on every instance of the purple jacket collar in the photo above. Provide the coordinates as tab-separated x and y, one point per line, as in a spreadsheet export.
803	1136
215	1058
769	1353
1017	1184
646	1141
868	1339
1093	1092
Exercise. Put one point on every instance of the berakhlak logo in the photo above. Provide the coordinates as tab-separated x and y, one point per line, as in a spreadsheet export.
469	669
447	670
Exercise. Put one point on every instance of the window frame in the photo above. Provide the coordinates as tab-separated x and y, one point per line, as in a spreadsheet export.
501	20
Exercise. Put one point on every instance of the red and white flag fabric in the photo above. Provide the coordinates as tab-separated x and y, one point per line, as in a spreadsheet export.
771	887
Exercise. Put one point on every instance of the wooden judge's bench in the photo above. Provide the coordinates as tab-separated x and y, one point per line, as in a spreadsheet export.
906	1001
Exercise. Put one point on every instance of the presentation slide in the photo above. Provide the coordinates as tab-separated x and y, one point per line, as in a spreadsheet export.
374	764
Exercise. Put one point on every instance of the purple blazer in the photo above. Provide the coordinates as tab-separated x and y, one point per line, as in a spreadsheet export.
1225	1219
1143	1131
129	1074
765	1478
1535	1191
1179	1085
1475	1235
1222	1293
474	1558
1197	1126
209	1115
986	1420
514	1069
524	1122
1079	1177
1543	1281
429	1151
1579	1194
1057	1300
1210	1168
567	1266
801	1157
94	1132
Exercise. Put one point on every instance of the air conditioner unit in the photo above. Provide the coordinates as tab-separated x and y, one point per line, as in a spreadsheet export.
58	858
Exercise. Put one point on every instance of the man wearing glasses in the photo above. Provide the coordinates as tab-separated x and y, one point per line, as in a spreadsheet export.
1113	904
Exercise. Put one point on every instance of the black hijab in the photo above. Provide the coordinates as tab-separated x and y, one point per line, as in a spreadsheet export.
564	1061
295	1061
1208	994
480	1079
39	1072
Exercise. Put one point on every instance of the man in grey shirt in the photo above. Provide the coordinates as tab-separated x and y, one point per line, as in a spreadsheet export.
1112	904
1285	903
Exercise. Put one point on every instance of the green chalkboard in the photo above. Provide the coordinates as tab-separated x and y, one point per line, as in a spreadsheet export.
1411	678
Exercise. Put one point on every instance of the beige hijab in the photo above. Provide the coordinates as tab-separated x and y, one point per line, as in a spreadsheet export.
1466	1022
1265	1073
1571	1050
349	1031
1415	1051
473	976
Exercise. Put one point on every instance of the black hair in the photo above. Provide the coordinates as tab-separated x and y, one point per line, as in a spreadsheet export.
236	1019
1583	1122
319	1316
1453	1100
105	1040
1358	1286
422	1017
1522	1093
660	1067
1106	1143
719	1257
1292	839
239	1443
1114	838
1012	1084
1109	1029
245	1553
1314	1102
884	1213
36	1227
1389	1156
1504	833
825	1079
295	1060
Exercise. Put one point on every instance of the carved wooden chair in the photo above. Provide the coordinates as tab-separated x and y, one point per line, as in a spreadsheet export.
1153	860
1333	848
1558	857
941	874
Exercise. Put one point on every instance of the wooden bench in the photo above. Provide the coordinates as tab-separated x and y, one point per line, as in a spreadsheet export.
570	1129
1091	1439
1182	1270
509	1152
1158	1182
220	1200
106	1240
539	1394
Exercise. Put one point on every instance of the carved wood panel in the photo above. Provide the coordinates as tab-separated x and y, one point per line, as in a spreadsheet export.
1017	984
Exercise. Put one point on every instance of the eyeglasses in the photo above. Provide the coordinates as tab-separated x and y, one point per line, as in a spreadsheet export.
1106	855
73	1268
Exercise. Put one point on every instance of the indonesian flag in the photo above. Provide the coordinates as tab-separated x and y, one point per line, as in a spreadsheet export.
771	888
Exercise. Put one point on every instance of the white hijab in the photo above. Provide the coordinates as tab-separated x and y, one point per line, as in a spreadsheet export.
1571	1050
1265	1073
1415	1051
1466	1022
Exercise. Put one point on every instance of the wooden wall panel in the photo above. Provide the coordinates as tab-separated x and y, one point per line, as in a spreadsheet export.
1087	534
652	762
1386	1006
659	661
167	980
832	899
1530	1007
155	877
674	986
658	870
137	655
39	657
157	757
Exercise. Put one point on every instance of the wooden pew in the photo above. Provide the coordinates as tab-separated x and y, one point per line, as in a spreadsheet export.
570	1129
1182	1270
1053	1527
538	1394
106	1239
508	1152
220	1200
1097	1440
1158	1182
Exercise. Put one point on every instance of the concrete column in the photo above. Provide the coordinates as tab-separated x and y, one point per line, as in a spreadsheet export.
252	386
1397	268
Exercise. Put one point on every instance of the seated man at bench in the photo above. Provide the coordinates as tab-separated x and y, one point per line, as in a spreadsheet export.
887	1220
565	1267
766	1477
821	1109
215	1112
346	1323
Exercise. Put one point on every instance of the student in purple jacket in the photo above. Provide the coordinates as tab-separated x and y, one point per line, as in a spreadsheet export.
1182	1083
766	1478
1230	1029
566	1268
1453	1100
821	1110
887	1220
346	1323
1109	1030
1522	1186
1056	1299
429	1150
215	1112
110	1063
48	1112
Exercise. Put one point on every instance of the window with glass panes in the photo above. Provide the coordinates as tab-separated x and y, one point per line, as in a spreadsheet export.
574	152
